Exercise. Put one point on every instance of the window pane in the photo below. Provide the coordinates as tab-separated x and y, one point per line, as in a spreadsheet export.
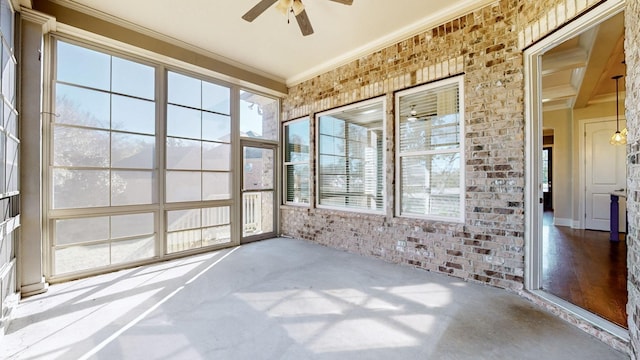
215	216
80	188
183	219
80	147
429	119
216	156
257	213
216	127
184	90
184	154
83	107
73	231
297	141
298	183
132	187
216	235
351	166
431	185
215	98
8	75
132	151
433	133
183	186
3	169
258	116
125	251
430	134
10	121
6	22
82	66
184	240
133	115
183	122
84	257
125	70
131	225
216	186
12	163
258	168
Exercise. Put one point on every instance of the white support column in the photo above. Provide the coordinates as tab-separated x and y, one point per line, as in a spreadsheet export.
33	25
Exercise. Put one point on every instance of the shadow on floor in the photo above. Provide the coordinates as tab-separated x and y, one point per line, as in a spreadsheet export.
287	299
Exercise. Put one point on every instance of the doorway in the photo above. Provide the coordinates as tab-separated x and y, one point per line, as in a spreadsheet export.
258	191
566	81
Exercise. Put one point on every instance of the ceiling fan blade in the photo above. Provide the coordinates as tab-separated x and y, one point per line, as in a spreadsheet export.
346	2
303	22
258	9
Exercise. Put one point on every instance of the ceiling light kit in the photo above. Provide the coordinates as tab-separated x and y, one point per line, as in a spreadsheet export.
287	7
618	138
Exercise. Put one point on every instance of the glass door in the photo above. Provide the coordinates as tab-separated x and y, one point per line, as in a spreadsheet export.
258	191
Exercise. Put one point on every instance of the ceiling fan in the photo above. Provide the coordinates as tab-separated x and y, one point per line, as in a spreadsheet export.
287	6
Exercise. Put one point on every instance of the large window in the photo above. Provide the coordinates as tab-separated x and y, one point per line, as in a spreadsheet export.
198	143
296	162
104	130
429	131
131	180
103	160
9	159
351	157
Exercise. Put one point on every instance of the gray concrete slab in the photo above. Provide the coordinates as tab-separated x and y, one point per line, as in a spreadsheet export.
287	299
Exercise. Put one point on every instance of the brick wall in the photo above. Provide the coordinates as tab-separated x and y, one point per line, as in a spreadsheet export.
632	55
488	247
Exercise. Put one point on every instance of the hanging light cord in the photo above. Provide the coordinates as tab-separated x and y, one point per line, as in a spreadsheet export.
617	77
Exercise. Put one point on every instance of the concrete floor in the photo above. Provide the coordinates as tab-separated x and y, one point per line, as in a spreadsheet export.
287	299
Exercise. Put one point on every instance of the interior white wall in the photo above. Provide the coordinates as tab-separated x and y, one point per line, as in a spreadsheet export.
562	180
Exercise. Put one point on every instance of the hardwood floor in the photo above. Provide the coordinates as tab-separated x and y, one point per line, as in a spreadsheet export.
586	269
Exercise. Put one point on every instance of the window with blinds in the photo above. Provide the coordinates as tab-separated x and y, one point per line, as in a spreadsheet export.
429	128
296	162
351	157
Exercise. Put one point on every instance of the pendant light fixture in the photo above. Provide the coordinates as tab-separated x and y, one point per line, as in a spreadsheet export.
618	138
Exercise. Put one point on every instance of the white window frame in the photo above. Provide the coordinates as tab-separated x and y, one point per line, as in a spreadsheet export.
317	173
286	164
459	80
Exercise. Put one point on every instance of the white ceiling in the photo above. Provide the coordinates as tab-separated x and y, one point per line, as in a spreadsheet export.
271	47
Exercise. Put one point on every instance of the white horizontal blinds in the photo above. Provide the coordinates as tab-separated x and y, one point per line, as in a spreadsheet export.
102	156
350	158
430	152
296	161
198	143
104	131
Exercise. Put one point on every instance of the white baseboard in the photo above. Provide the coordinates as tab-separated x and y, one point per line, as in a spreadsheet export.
562	222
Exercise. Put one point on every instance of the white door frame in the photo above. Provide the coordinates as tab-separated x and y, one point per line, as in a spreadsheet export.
533	151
